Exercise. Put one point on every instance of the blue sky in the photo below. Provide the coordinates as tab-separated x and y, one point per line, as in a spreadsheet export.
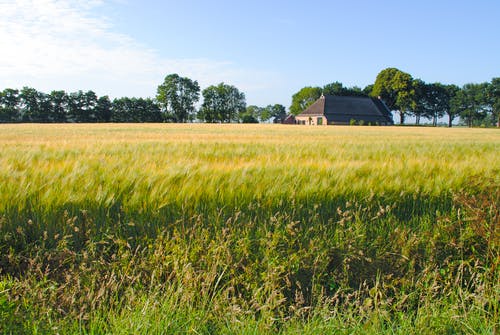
268	49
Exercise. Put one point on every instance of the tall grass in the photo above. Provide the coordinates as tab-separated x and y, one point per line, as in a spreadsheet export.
248	229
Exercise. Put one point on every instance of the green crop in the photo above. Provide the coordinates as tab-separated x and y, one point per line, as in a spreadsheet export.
248	229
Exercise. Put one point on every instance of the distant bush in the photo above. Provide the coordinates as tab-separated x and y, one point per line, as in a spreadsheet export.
249	119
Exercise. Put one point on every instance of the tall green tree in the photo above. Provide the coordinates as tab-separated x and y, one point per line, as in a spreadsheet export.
276	111
58	106
304	98
432	100
222	103
103	109
458	103
81	106
439	101
121	110
75	106
34	105
146	110
9	105
178	96
420	105
90	104
494	99
451	91
395	87
471	103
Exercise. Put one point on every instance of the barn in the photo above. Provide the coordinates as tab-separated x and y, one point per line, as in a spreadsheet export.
344	110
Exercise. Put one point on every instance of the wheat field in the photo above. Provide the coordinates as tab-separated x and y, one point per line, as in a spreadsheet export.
248	229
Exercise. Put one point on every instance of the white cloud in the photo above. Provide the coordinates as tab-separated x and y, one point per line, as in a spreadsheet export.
54	44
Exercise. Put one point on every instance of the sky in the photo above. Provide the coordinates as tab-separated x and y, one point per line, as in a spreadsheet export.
268	49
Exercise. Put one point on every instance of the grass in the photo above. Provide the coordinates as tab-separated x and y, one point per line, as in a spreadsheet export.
238	229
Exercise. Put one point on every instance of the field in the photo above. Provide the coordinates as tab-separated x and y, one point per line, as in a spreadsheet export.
249	229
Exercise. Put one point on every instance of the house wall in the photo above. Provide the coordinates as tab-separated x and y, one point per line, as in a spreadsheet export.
312	120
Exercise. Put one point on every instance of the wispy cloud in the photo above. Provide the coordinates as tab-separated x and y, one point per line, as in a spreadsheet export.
54	44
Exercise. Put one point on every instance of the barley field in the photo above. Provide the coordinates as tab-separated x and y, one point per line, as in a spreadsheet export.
248	229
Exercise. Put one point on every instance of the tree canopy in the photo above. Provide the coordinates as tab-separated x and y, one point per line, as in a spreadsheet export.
493	97
263	114
304	98
471	103
177	96
222	103
338	89
395	87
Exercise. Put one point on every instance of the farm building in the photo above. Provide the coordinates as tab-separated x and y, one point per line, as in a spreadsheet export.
342	110
289	119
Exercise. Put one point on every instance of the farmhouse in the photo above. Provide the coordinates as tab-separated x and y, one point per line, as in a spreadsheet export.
342	110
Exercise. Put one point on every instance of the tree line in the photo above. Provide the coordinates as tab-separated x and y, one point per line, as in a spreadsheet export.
30	105
176	101
177	98
477	104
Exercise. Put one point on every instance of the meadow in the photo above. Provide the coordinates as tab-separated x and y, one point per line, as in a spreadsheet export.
248	229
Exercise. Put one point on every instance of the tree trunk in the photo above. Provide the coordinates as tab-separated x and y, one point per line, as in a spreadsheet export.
449	121
402	117
417	120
